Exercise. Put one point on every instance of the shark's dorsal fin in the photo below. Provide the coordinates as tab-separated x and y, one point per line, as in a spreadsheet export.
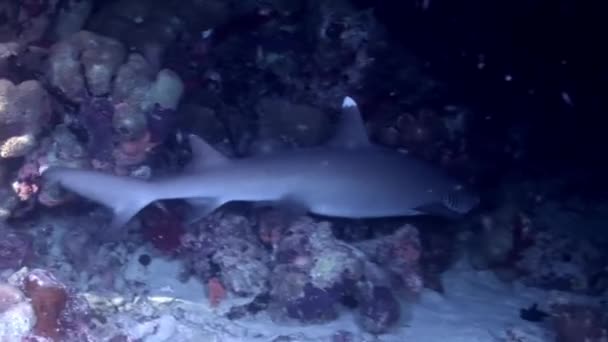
351	131
203	155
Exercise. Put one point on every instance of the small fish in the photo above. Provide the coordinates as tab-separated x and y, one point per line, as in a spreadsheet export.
349	177
533	314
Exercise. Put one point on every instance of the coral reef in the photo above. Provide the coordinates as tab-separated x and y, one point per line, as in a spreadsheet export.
398	253
316	273
116	86
49	298
558	262
520	244
32	18
125	106
35	306
579	323
25	110
17	316
306	276
225	252
154	28
15	249
8	203
380	310
61	148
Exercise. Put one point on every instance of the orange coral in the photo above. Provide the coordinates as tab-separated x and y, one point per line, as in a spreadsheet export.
217	291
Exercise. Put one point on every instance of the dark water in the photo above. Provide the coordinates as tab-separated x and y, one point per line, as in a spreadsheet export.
551	50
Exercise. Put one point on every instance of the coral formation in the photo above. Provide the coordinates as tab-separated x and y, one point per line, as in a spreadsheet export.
579	323
227	249
16	314
49	298
35	306
125	106
316	273
116	86
399	253
25	110
15	249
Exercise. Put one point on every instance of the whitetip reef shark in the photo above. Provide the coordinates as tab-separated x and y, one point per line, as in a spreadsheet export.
349	177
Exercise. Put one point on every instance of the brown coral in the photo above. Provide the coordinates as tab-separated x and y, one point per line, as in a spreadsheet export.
49	298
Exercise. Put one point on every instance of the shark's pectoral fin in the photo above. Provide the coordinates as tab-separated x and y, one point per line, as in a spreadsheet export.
122	214
351	131
201	207
203	155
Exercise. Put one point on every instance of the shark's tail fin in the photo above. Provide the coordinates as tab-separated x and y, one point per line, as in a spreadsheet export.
126	196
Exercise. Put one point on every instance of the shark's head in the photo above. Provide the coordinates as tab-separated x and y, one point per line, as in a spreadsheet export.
460	200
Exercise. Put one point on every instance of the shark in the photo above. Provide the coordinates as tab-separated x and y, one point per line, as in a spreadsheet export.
348	177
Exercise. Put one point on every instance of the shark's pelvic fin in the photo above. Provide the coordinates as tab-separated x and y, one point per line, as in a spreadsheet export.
201	207
123	213
203	155
351	131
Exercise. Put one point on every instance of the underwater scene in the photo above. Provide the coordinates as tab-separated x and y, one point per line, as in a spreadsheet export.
303	171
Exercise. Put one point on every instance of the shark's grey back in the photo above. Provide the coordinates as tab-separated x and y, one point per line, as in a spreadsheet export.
367	182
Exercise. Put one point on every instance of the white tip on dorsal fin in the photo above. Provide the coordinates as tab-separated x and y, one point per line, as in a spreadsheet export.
203	154
351	131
